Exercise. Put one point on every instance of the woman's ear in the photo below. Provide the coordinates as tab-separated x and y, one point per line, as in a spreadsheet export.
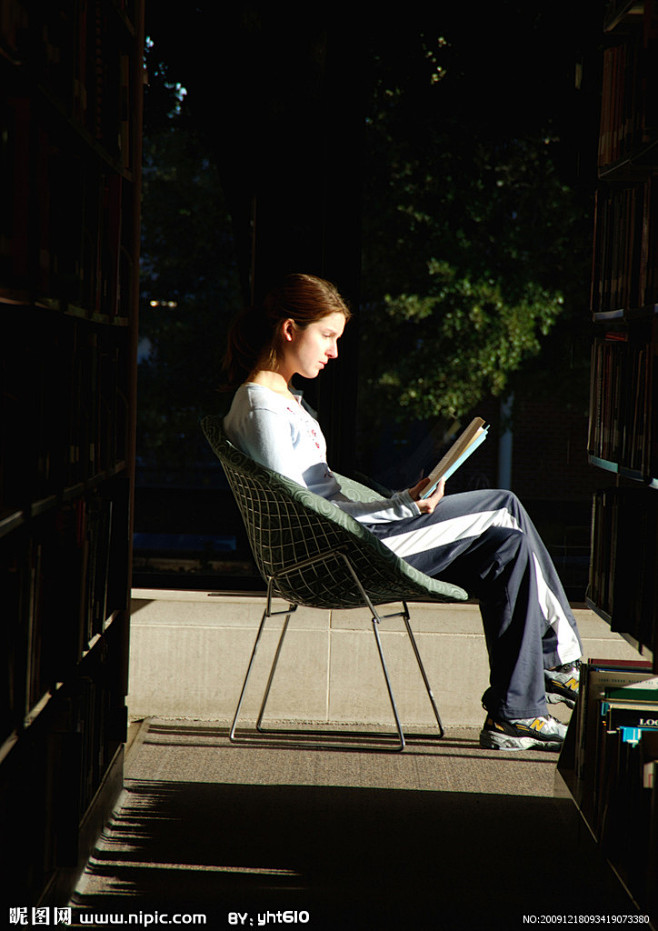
288	330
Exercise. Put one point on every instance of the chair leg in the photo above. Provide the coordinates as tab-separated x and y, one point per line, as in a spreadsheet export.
231	734
266	614
376	620
428	687
375	630
270	678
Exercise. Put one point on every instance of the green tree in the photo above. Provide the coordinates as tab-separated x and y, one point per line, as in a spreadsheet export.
475	240
447	349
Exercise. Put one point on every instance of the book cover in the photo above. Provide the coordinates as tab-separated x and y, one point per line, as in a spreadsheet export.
644	691
633	735
639	715
463	447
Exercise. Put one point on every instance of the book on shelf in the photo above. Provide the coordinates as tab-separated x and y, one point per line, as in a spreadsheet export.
620	243
627	116
608	730
580	767
99	532
644	691
86	78
60	588
620	417
625	723
624	812
622	574
631	709
463	447
631	718
14	21
649	750
15	186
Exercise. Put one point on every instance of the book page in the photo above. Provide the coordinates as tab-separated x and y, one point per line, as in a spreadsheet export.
465	444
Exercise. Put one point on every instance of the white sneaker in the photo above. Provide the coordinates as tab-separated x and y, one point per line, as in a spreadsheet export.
562	683
541	733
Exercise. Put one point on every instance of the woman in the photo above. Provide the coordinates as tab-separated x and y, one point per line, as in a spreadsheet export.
483	541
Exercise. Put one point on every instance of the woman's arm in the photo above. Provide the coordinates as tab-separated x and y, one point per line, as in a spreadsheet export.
267	437
277	441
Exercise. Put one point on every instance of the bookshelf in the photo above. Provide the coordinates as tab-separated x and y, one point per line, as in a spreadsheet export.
623	423
610	769
70	123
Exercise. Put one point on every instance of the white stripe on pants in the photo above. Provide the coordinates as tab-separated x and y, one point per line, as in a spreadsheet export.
485	541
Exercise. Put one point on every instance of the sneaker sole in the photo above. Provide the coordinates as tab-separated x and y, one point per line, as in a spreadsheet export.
492	741
554	698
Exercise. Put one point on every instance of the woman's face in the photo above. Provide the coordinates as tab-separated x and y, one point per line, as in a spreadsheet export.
306	352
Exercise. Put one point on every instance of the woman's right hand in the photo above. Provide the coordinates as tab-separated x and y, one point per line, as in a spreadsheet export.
427	505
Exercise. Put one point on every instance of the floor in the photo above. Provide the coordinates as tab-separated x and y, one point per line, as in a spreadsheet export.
342	836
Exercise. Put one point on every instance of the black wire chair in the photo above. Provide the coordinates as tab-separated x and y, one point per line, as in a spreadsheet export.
312	553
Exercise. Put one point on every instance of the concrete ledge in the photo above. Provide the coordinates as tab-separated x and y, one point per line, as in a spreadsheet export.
189	653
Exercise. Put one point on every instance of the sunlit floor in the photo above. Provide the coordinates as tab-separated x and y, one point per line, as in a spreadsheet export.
441	836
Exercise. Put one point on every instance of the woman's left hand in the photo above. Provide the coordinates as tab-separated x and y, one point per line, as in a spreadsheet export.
427	505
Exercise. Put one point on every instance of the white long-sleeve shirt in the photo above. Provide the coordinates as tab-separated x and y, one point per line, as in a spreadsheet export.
280	434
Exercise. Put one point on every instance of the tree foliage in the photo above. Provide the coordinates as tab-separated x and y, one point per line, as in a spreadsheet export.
475	240
455	344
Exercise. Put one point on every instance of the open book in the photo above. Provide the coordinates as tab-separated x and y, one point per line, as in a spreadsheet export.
466	443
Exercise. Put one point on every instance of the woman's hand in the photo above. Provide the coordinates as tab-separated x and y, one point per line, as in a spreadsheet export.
427	505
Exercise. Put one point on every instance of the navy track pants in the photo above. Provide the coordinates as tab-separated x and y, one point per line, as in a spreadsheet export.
485	542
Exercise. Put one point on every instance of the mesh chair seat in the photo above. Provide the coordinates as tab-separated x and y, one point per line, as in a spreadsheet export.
312	553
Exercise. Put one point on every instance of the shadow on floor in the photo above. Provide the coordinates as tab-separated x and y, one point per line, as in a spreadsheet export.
346	857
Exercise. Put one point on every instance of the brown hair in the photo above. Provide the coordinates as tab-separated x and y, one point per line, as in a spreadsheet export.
253	337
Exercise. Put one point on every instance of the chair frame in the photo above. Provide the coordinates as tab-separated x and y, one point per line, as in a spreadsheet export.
344	541
376	620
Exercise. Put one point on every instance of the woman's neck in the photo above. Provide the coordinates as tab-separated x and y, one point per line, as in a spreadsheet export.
272	380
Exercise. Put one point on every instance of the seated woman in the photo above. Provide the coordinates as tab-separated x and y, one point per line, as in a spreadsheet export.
483	540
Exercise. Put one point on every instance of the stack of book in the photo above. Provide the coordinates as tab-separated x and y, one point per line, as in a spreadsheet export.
609	764
621	428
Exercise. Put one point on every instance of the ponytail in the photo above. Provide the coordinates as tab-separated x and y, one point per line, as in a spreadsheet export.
249	336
